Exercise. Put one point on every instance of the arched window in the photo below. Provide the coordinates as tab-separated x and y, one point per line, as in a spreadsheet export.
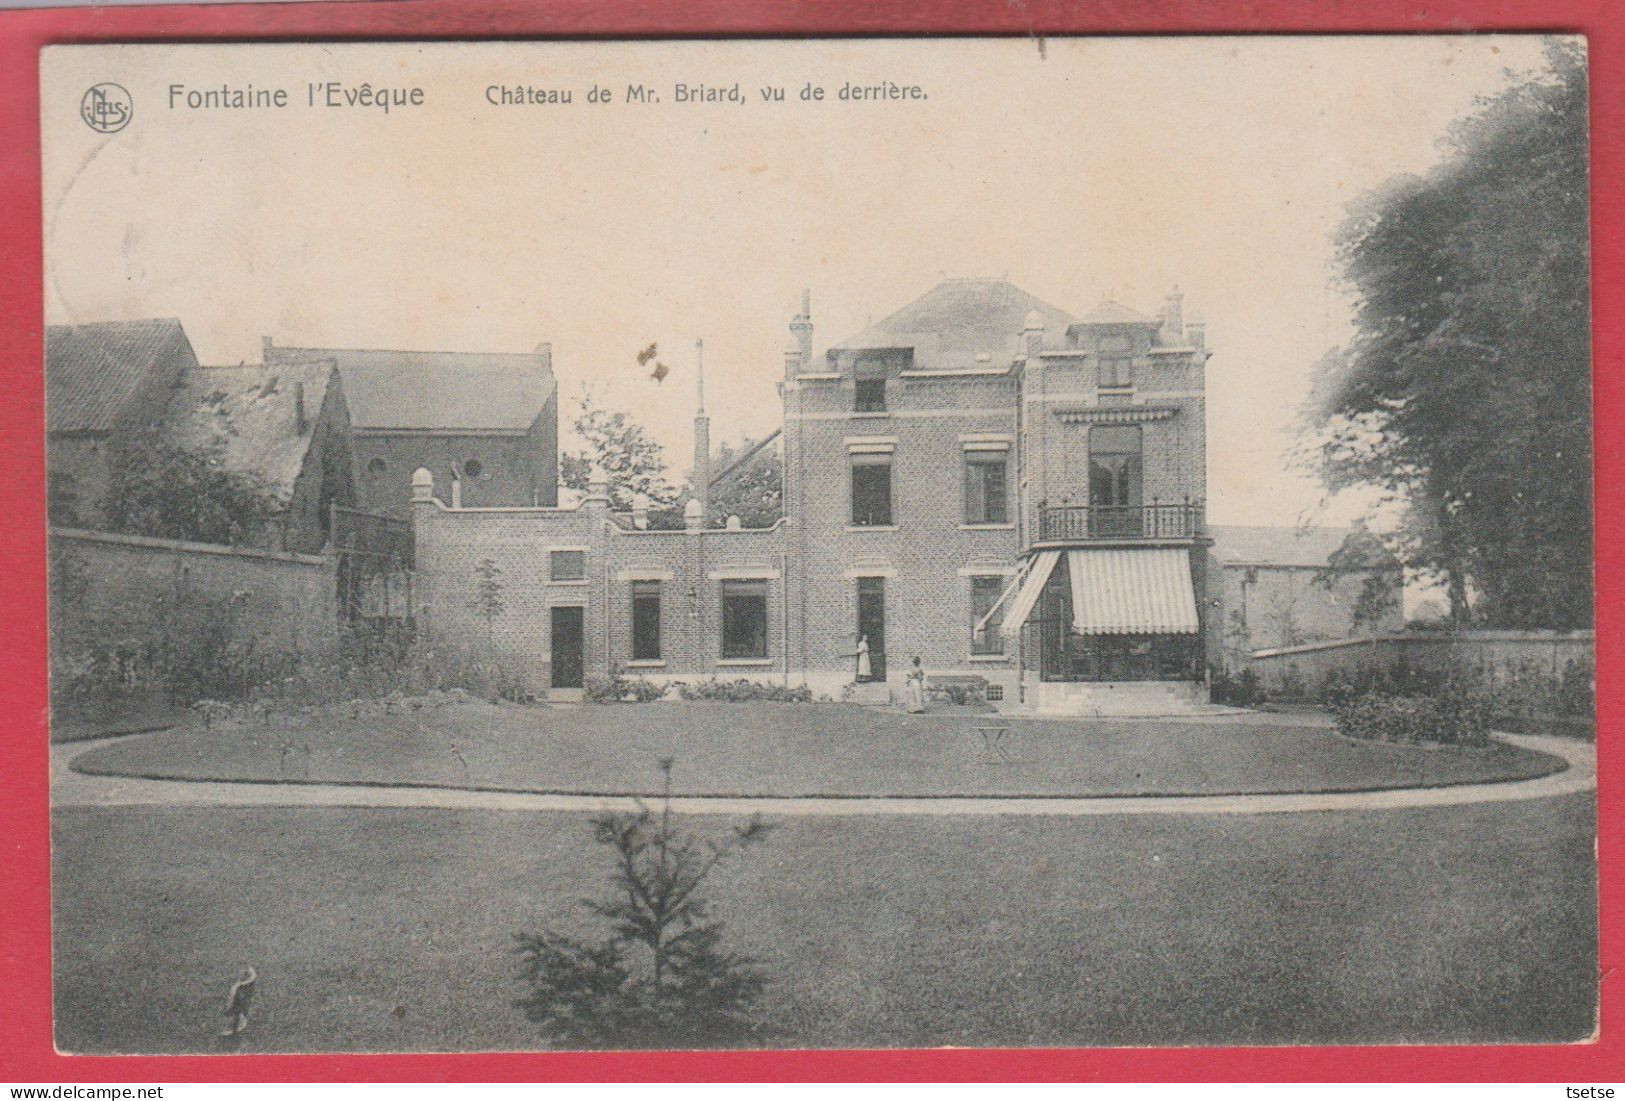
377	466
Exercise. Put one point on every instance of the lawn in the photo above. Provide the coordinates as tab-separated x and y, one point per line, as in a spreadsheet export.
795	749
378	929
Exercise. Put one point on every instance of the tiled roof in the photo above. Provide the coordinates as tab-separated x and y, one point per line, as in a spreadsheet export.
437	390
1272	546
959	320
94	373
252	414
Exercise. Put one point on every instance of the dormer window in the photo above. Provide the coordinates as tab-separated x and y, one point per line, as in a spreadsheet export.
870	395
1114	367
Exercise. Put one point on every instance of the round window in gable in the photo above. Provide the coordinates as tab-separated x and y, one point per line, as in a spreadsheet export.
472	468
377	466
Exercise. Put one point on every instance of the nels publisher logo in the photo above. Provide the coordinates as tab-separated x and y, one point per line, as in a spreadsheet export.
106	108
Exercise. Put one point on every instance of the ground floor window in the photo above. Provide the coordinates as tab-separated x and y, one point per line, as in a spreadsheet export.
986	638
645	621
1069	656
744	619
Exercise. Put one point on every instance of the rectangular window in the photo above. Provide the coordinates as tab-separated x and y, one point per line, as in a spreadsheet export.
567	565
744	619
984	593
871	386
871	490
985	500
1115	480
1114	371
871	395
645	621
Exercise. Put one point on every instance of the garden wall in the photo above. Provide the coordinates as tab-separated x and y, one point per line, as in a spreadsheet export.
1552	672
131	604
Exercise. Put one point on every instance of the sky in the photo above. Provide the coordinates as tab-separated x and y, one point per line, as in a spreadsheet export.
1076	168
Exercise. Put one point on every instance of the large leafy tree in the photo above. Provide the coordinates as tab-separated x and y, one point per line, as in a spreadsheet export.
749	483
1465	394
632	461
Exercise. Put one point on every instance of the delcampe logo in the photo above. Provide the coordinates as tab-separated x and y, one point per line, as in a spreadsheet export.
106	108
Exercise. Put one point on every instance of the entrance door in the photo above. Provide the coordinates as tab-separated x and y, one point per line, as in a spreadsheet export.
872	623
567	646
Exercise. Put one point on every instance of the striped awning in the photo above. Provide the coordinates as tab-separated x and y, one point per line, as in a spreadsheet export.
1026	597
1132	591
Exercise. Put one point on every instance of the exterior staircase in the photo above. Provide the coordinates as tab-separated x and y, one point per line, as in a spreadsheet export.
871	694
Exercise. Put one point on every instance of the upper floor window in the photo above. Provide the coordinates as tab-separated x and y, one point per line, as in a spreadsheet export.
473	468
1114	370
376	466
871	490
567	565
870	394
986	501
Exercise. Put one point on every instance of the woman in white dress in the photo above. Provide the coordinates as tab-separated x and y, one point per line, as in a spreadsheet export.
916	688
865	670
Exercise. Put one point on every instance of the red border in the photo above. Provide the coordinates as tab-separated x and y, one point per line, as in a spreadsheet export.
25	1010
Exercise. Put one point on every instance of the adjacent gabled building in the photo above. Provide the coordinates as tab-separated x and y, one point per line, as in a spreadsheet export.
104	383
287	425
485	425
1280	586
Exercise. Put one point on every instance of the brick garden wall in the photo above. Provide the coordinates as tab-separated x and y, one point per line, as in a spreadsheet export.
124	593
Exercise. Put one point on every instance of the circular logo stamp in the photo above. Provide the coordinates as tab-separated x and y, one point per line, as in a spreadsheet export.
106	108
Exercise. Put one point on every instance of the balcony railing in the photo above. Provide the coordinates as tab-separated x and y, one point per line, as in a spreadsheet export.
1071	523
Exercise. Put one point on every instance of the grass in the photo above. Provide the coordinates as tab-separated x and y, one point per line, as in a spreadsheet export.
393	929
795	749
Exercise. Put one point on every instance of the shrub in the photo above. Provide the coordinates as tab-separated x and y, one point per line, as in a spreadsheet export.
660	976
608	689
1455	719
741	691
1242	690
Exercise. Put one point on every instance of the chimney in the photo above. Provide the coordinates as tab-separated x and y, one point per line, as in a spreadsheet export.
801	327
597	487
300	424
267	345
702	437
640	511
1173	317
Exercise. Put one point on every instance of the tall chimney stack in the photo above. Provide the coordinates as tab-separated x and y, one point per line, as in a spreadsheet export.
802	327
702	436
1173	317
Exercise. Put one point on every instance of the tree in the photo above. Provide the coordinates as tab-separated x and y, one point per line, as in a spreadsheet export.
1464	396
631	460
167	492
487	599
661	978
751	489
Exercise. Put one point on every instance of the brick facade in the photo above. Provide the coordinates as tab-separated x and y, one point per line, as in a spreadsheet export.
975	373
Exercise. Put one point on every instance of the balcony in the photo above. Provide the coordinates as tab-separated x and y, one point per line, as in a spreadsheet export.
1084	523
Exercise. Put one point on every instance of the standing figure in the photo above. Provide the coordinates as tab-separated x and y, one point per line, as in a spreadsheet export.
916	688
865	670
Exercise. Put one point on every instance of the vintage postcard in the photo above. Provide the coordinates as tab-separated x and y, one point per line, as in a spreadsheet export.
847	544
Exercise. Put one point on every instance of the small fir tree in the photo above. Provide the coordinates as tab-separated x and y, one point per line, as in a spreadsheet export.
661	977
